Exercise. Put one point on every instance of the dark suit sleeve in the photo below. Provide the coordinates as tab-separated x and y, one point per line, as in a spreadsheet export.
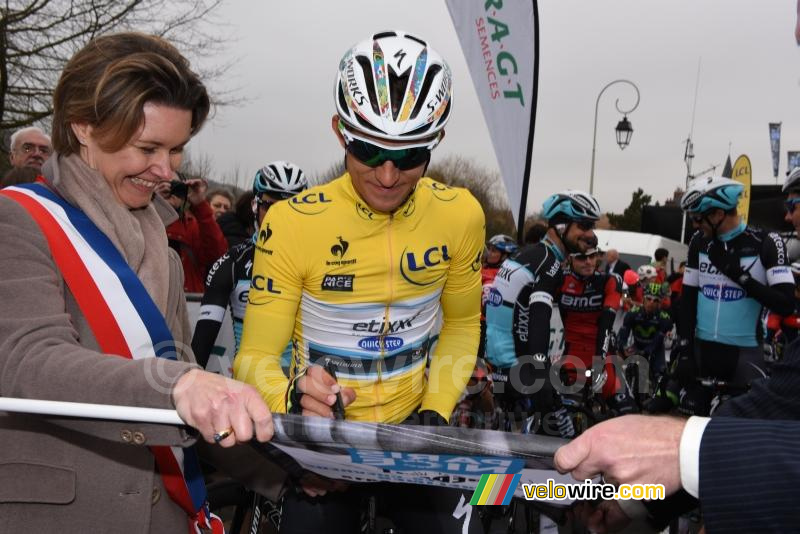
748	475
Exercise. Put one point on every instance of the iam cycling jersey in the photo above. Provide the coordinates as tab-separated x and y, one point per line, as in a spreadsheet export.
532	276
588	306
227	283
363	290
725	312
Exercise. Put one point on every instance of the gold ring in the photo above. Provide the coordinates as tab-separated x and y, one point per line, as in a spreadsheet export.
219	436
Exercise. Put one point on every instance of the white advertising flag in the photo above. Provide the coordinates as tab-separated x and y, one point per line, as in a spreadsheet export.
500	42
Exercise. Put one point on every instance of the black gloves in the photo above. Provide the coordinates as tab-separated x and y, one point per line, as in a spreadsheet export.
727	262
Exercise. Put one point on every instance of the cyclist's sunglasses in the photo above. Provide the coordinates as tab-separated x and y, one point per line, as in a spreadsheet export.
585	225
698	218
584	257
263	201
375	156
790	203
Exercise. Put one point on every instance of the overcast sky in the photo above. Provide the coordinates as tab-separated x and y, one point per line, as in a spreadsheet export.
286	55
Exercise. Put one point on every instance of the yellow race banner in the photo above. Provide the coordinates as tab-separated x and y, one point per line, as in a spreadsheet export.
742	173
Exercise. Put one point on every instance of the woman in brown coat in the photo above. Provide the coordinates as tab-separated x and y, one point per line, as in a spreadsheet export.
124	108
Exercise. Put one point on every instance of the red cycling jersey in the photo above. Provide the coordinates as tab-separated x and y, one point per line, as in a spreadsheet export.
581	302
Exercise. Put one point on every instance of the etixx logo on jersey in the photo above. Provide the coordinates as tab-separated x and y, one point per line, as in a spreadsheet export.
424	267
310	203
339	251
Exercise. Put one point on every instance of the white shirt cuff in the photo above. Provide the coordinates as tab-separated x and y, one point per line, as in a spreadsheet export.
690	454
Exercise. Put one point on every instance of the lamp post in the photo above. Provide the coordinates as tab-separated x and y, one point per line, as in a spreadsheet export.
624	130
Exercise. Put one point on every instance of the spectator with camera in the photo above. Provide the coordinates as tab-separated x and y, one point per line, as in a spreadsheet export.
195	235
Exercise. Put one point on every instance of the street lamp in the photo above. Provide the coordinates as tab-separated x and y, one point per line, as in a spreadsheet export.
624	130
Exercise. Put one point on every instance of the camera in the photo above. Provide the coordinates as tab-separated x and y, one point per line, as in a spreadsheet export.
178	188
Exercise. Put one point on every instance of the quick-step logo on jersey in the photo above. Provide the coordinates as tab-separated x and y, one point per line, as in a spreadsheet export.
420	267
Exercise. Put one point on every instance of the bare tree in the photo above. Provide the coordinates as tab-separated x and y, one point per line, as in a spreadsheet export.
37	37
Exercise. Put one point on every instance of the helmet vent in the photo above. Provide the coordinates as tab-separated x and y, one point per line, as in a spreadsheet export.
397	89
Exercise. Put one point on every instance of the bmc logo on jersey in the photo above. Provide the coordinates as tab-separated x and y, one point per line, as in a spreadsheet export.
376	343
494	298
309	203
578	301
723	293
415	266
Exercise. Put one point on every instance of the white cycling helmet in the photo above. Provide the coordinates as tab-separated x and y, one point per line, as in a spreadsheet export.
394	86
792	180
646	271
280	180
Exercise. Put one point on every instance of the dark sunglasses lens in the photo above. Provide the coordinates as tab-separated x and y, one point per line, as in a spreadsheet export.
586	225
790	204
375	156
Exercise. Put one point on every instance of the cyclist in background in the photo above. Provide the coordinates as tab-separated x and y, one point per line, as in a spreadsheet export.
520	304
733	272
228	281
498	249
649	324
588	301
356	273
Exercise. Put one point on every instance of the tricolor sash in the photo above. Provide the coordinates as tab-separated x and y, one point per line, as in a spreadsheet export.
123	318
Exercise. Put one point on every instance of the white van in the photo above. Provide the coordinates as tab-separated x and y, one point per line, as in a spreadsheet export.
637	249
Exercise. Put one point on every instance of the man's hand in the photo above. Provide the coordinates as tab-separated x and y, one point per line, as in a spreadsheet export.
319	391
197	191
212	404
726	263
633	449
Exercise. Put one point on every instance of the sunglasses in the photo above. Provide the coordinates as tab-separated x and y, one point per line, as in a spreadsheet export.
585	225
697	217
790	203
651	298
375	156
585	257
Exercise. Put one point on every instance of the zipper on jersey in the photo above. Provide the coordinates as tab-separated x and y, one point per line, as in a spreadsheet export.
716	318
387	318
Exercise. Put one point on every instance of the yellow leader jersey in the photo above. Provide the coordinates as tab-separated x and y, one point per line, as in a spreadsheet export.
367	292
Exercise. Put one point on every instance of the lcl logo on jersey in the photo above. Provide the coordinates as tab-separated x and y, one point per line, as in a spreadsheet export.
364	212
260	283
309	203
415	266
443	192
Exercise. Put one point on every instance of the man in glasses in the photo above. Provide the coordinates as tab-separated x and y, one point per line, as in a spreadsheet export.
733	272
520	304
30	147
228	281
588	302
355	273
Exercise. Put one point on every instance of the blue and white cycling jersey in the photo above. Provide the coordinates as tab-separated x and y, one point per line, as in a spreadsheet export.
725	313
533	275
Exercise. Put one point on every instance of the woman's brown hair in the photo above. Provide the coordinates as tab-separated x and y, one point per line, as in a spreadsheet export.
108	82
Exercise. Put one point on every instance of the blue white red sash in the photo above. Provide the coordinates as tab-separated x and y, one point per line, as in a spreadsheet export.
123	318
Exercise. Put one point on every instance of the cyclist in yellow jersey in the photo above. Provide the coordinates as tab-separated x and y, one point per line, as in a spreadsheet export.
359	272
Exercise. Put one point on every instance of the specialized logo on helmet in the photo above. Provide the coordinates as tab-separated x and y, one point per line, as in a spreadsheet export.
415	268
690	199
309	203
353	93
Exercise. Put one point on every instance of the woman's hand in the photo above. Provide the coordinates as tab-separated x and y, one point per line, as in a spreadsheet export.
212	404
